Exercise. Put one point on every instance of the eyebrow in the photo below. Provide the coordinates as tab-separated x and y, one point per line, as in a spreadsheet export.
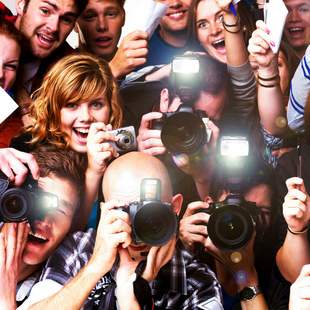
56	8
66	204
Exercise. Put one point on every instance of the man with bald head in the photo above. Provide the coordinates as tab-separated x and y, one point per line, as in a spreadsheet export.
118	271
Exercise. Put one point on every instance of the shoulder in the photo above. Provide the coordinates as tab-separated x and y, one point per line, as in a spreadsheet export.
69	258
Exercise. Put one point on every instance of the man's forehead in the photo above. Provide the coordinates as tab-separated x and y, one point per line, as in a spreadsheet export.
294	3
65	6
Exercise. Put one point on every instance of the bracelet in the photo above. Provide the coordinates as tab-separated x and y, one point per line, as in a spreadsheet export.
238	30
267	85
232	25
297	232
275	77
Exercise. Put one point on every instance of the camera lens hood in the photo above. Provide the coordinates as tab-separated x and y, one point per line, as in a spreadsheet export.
230	227
14	205
183	132
155	223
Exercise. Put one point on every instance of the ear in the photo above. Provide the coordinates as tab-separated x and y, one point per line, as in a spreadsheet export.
20	7
124	17
177	201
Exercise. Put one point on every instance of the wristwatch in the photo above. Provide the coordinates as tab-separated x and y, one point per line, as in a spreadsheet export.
249	292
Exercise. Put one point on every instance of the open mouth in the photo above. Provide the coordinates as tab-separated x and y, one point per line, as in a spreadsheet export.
295	30
103	41
46	40
81	133
219	44
36	238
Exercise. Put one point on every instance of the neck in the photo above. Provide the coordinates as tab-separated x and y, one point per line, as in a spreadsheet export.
300	51
26	270
176	38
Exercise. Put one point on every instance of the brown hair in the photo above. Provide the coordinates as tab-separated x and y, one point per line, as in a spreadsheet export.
64	164
75	78
7	29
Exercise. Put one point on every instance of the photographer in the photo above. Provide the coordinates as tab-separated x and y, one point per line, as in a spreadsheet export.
23	251
124	267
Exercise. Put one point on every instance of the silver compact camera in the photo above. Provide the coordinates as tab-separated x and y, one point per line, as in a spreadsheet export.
127	140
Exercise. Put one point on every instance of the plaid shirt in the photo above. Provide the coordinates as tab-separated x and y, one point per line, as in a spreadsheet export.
184	283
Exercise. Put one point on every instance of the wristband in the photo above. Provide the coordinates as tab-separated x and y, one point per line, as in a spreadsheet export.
297	232
143	293
275	77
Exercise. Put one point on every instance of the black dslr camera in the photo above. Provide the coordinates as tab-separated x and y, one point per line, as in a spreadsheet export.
232	221
25	203
153	222
185	130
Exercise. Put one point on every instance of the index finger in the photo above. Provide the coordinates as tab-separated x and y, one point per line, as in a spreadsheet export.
147	118
30	161
137	34
193	207
295	182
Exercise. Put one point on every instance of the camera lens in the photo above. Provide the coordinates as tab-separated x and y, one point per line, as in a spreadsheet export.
14	206
155	224
230	227
125	140
183	132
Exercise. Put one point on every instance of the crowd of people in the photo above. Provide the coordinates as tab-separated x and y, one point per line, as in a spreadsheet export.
177	222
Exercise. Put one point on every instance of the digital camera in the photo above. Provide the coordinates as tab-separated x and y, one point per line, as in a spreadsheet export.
153	222
25	203
184	131
232	222
127	140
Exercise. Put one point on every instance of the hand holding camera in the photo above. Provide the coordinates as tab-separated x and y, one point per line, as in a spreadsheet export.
104	144
13	165
296	206
114	230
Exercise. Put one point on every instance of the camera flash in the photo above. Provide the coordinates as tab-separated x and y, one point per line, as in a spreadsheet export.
234	146
150	189
186	66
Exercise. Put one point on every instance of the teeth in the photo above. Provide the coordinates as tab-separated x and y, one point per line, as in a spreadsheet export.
218	41
295	29
82	130
37	236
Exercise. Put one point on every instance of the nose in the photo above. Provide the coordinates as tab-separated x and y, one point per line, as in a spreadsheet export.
294	15
214	28
84	114
53	23
175	4
102	25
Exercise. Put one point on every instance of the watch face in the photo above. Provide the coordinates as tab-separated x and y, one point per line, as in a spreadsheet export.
247	293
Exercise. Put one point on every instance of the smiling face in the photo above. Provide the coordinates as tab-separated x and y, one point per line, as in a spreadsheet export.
76	119
9	60
297	26
52	230
209	29
101	24
46	23
176	16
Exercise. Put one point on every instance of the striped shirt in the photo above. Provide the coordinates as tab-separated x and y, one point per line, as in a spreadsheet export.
183	284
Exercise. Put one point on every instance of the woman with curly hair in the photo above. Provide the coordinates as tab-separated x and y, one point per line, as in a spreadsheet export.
75	108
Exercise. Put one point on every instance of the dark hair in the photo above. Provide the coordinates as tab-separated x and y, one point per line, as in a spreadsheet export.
80	5
63	163
8	29
214	74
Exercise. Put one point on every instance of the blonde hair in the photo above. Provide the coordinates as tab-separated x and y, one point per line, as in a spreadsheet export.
75	78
